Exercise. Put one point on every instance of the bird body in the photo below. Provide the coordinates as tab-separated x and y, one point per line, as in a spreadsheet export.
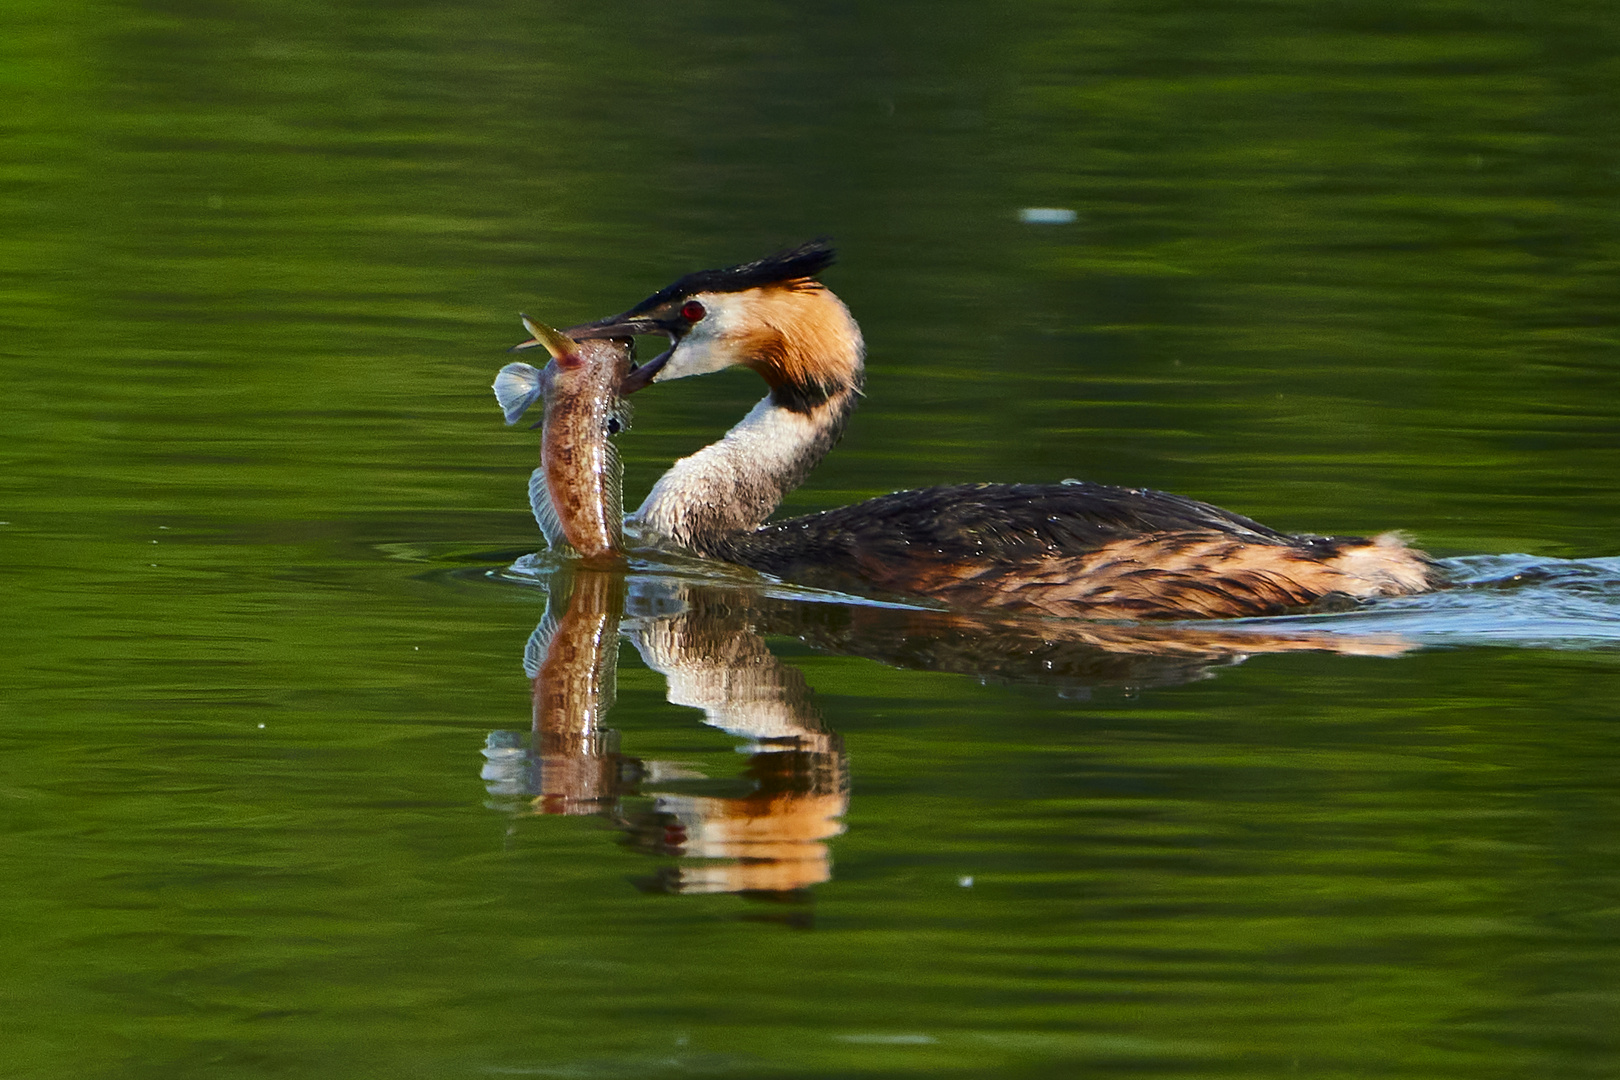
1071	549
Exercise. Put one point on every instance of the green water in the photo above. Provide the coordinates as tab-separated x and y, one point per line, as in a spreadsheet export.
1342	267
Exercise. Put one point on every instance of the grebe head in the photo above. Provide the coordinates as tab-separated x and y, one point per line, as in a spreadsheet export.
770	315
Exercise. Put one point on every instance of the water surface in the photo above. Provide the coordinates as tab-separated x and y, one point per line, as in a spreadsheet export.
273	785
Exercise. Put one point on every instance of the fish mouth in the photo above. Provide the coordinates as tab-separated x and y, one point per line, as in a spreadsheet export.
627	326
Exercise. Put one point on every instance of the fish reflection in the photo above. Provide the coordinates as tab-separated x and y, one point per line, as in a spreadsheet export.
770	839
708	641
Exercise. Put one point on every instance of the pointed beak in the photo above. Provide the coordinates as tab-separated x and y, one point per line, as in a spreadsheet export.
642	377
619	326
625	326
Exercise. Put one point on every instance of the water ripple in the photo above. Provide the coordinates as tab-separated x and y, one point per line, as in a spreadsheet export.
1520	600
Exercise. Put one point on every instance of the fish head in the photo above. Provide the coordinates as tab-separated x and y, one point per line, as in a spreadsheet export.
518	385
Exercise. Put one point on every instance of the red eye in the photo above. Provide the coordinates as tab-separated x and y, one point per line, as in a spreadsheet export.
692	311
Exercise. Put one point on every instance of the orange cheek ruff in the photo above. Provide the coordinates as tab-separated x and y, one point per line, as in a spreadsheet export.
802	335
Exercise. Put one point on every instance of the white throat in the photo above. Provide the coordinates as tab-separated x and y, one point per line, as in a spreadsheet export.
733	485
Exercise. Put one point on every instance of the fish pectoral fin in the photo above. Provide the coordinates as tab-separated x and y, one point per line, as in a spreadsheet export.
545	515
613	493
607	678
538	646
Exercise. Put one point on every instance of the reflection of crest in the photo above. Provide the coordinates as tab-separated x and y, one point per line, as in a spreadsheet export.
707	640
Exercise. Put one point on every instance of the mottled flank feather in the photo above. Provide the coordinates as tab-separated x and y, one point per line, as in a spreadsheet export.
1075	550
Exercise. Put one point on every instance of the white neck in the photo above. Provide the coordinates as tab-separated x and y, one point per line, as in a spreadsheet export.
733	485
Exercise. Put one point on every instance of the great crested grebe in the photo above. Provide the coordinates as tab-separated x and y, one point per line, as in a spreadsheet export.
1072	549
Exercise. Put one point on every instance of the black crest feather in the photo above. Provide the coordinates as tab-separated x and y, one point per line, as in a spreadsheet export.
805	261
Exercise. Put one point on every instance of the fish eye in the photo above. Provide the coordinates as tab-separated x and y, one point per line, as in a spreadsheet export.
692	311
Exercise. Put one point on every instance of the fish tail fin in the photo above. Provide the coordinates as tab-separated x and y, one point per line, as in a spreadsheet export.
518	386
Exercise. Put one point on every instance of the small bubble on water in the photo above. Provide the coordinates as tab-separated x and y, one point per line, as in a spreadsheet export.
1046	215
966	881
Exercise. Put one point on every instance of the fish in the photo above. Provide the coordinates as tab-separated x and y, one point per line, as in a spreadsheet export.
577	492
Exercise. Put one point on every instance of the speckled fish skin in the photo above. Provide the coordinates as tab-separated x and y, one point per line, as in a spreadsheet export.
582	470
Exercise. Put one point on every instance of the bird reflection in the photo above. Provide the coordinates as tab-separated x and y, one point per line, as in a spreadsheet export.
708	641
774	836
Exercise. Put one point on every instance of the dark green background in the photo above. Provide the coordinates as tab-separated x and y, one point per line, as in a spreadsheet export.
1340	266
